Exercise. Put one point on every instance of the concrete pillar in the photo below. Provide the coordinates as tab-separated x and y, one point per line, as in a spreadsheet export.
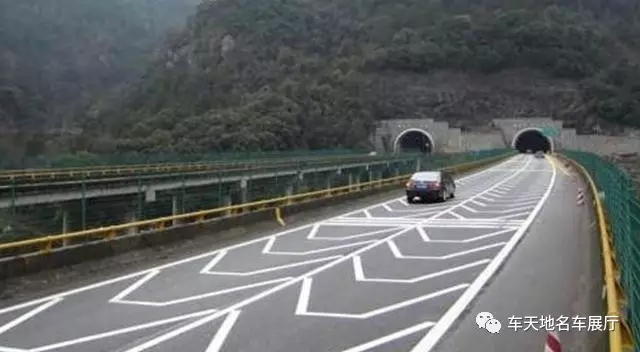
174	208
418	164
371	175
350	180
244	190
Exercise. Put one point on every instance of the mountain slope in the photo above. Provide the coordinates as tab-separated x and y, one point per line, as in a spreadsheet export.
58	55
251	74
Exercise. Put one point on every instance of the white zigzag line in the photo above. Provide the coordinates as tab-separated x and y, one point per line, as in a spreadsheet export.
359	272
396	252
305	293
126	330
314	231
272	240
385	339
120	297
218	258
11	349
514	215
511	210
477	238
30	314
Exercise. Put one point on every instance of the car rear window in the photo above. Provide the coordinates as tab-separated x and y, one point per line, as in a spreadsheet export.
426	176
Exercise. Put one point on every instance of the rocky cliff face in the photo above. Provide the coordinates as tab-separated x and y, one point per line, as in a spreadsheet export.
470	100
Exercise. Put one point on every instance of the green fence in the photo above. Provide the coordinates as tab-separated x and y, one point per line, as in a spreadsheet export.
20	222
623	211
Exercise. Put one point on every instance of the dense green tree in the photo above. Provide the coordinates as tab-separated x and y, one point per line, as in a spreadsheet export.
56	56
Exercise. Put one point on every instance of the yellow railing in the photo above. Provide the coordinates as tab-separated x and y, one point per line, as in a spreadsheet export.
45	244
620	337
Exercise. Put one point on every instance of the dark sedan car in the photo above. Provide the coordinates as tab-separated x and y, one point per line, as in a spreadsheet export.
435	185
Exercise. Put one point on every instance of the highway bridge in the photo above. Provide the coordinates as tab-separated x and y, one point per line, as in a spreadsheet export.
516	241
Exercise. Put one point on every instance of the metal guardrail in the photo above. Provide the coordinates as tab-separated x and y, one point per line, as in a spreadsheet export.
48	243
34	175
618	215
210	172
84	160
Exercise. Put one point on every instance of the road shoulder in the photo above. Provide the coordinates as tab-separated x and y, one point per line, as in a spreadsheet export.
555	270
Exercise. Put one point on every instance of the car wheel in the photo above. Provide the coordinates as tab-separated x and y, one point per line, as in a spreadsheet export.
410	200
453	195
443	196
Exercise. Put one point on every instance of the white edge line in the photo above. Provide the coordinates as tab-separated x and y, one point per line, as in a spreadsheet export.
218	339
364	234
396	335
304	296
124	293
213	262
453	313
469	209
270	269
11	349
527	207
321	250
120	331
204	295
457	215
450	255
301	308
28	315
361	277
358	270
478	238
507	217
314	231
423	233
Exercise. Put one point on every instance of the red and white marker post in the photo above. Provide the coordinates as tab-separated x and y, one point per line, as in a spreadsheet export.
553	342
580	197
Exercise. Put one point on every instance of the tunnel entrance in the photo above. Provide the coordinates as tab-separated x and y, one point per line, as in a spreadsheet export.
532	140
414	140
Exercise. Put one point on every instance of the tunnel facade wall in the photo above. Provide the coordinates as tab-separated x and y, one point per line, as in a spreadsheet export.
500	134
520	133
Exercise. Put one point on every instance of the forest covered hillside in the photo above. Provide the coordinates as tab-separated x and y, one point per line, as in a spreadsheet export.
283	74
59	56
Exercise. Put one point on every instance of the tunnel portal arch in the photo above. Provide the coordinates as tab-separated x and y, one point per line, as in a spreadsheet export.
532	139
414	139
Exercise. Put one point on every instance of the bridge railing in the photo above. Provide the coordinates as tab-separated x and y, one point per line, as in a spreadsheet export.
89	160
206	163
33	226
619	218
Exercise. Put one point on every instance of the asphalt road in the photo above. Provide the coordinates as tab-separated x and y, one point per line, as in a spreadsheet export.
388	277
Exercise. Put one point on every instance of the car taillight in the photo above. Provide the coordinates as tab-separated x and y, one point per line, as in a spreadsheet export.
435	184
410	184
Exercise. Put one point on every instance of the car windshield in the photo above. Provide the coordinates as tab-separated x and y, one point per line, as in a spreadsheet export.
426	176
